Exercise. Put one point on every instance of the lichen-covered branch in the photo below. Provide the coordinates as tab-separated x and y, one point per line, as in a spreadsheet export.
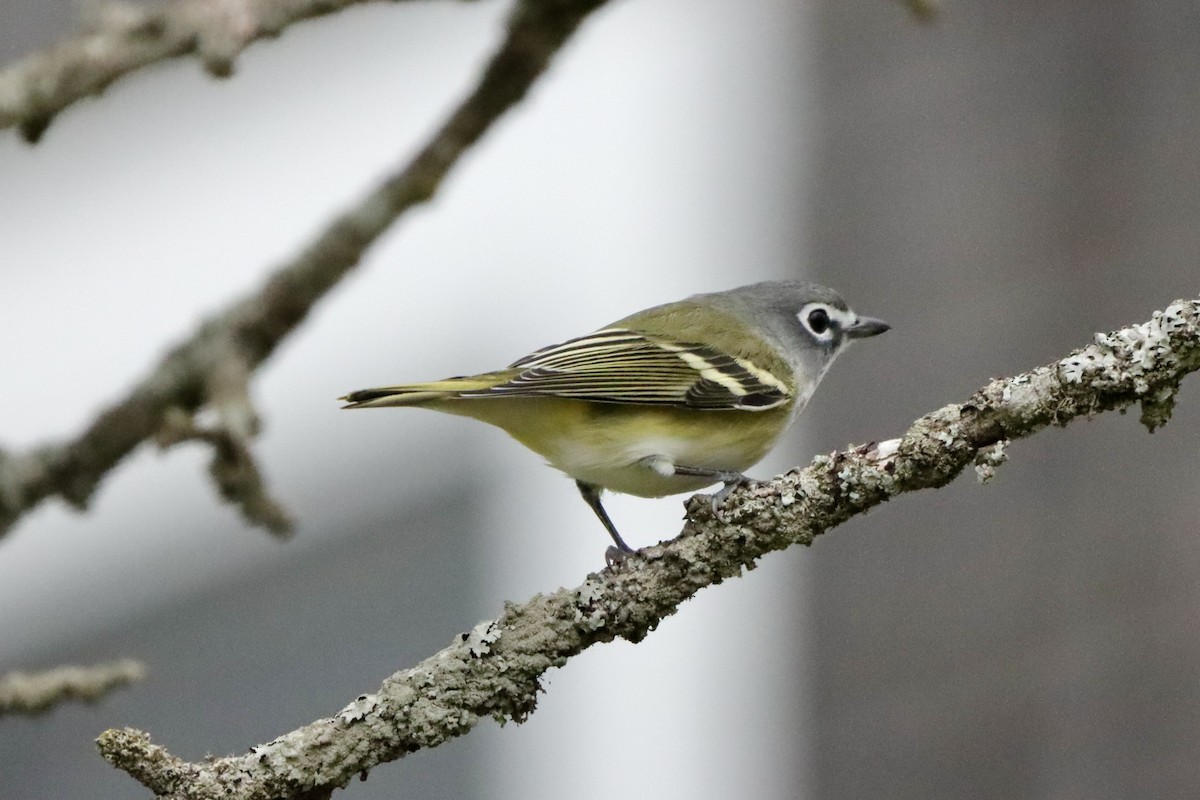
35	692
250	330
495	670
124	37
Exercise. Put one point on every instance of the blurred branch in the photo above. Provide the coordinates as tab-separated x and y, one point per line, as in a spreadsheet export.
124	37
244	335
923	10
35	692
233	469
495	670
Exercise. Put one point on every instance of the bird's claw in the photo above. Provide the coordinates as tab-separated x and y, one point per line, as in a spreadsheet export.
732	481
616	557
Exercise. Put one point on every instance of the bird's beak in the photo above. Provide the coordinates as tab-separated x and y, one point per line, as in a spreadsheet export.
866	326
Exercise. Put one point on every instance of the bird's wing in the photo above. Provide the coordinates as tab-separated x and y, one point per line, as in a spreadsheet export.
616	365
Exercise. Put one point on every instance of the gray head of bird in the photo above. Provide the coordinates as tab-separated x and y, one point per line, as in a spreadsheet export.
807	323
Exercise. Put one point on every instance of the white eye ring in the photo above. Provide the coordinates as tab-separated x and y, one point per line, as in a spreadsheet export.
821	320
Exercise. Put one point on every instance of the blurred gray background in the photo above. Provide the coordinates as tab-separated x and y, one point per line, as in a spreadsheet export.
998	185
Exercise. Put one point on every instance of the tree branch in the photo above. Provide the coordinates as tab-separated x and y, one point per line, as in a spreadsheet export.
125	37
249	331
495	670
35	692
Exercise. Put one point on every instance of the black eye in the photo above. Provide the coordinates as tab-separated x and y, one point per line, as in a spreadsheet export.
818	321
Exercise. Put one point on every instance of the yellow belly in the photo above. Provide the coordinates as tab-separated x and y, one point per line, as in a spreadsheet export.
609	444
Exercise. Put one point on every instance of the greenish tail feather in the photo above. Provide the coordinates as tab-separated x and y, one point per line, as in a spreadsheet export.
413	394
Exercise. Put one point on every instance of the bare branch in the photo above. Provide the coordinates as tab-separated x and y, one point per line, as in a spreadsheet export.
495	670
253	327
233	469
125	37
35	692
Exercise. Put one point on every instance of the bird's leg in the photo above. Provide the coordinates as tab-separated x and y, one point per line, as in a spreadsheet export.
730	478
613	555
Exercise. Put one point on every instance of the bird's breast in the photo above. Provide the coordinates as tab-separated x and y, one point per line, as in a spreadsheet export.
620	446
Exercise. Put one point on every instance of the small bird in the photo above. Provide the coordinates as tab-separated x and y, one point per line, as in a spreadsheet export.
667	400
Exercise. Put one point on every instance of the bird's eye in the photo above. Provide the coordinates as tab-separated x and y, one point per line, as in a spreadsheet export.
818	321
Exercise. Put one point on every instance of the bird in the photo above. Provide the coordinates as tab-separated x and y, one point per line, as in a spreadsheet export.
667	400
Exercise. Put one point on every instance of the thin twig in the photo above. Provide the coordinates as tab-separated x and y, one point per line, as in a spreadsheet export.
253	327
495	670
125	37
35	692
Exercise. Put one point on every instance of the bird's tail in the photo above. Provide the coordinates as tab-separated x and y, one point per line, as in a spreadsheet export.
415	394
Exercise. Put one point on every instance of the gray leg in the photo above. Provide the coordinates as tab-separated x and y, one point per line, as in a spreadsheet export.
591	494
731	479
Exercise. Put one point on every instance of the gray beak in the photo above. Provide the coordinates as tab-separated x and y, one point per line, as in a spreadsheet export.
864	327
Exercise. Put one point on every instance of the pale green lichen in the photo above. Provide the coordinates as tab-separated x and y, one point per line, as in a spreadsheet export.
1007	392
1130	354
481	638
885	449
1135	357
589	613
863	478
359	708
988	458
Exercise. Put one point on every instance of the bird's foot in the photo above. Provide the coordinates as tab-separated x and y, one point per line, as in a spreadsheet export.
732	480
616	557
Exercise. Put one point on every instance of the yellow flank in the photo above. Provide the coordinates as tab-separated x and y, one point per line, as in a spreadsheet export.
604	444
